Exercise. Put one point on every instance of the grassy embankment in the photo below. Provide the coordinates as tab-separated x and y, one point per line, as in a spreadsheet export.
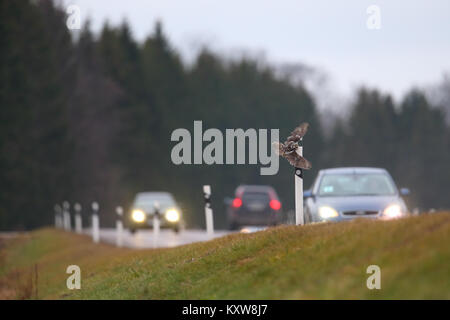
287	262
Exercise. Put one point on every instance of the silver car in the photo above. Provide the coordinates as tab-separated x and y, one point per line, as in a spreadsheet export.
346	193
144	207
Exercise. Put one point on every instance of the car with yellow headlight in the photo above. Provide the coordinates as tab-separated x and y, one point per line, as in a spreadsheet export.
148	204
340	194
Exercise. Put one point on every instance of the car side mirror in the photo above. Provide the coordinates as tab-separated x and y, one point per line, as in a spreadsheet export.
404	191
307	194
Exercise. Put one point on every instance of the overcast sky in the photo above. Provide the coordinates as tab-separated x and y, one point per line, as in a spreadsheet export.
412	48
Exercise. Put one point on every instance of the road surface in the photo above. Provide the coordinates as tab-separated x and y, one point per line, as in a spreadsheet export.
167	238
144	238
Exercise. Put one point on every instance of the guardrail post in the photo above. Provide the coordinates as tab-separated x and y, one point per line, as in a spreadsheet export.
95	223
292	151
78	221
119	226
58	219
208	210
66	215
299	217
156	217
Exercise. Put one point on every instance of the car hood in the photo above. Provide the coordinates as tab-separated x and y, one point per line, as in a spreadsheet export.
150	209
353	203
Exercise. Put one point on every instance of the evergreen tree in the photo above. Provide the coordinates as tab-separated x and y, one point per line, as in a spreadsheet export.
34	143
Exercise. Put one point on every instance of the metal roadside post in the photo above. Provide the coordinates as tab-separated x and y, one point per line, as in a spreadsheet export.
156	217
95	223
78	221
66	215
208	211
119	226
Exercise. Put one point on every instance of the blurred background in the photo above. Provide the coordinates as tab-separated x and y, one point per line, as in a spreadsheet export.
86	115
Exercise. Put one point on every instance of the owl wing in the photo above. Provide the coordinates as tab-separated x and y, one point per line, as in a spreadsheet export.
288	149
299	132
298	161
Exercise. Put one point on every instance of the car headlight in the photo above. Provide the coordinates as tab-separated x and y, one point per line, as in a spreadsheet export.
327	212
138	215
392	211
172	215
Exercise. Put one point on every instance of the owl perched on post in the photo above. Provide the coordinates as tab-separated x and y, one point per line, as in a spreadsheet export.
289	147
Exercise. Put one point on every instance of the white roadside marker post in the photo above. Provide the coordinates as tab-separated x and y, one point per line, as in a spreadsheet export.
58	212
66	215
119	226
292	151
78	222
95	223
208	211
156	216
299	217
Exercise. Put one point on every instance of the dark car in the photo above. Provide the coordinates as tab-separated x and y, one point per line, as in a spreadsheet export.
346	193
254	205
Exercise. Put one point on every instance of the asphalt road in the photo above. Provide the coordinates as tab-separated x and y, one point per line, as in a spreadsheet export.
144	238
167	238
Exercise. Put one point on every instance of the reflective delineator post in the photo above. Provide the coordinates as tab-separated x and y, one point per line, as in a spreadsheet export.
299	217
78	222
66	215
292	151
95	223
156	217
119	226
208	210
58	219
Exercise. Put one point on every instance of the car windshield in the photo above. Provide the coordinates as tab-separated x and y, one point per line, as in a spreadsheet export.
255	197
373	184
148	200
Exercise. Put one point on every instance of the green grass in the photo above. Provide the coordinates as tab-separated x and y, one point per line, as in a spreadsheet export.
322	261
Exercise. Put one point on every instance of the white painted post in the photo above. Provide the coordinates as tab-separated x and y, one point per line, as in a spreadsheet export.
95	223
208	210
299	217
119	226
58	211
66	215
156	226
78	222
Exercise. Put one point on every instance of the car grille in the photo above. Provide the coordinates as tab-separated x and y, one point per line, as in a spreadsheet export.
359	213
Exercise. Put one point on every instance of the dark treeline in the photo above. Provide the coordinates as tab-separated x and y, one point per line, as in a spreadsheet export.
91	119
